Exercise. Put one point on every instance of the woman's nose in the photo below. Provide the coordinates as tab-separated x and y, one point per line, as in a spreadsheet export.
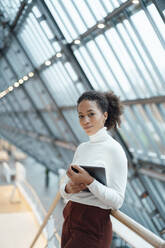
86	119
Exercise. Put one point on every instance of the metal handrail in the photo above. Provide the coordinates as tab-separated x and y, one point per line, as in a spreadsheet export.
144	233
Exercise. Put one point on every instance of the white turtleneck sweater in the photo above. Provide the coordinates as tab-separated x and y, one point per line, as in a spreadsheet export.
103	151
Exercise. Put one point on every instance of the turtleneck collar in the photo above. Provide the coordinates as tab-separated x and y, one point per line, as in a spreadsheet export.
101	135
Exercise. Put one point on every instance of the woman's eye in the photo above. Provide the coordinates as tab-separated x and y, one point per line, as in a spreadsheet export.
81	116
91	114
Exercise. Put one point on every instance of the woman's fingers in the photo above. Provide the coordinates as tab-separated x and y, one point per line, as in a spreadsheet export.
70	172
75	188
83	186
81	177
77	167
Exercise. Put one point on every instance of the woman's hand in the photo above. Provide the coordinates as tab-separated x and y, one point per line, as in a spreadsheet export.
72	188
82	177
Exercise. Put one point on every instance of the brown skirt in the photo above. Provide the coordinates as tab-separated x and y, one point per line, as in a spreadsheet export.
86	226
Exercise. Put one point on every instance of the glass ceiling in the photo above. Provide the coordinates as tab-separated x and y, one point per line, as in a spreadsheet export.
10	9
65	53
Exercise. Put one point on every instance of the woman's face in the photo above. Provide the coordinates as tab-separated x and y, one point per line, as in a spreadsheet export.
91	117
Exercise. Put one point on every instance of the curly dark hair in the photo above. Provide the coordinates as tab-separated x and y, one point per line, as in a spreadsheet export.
107	102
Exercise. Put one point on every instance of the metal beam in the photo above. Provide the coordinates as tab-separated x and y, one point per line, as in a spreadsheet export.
160	5
151	100
148	164
41	137
151	173
19	14
30	111
54	170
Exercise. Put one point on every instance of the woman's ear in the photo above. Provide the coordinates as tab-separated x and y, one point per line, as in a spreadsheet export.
106	115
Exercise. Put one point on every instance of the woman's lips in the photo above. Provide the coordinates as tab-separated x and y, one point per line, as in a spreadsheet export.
87	127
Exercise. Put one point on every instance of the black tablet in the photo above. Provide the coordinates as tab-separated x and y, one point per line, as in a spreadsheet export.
97	172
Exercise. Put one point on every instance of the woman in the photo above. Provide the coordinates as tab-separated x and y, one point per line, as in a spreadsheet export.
86	215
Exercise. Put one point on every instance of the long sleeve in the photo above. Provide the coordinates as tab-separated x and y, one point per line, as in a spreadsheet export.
109	196
63	183
113	195
65	180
